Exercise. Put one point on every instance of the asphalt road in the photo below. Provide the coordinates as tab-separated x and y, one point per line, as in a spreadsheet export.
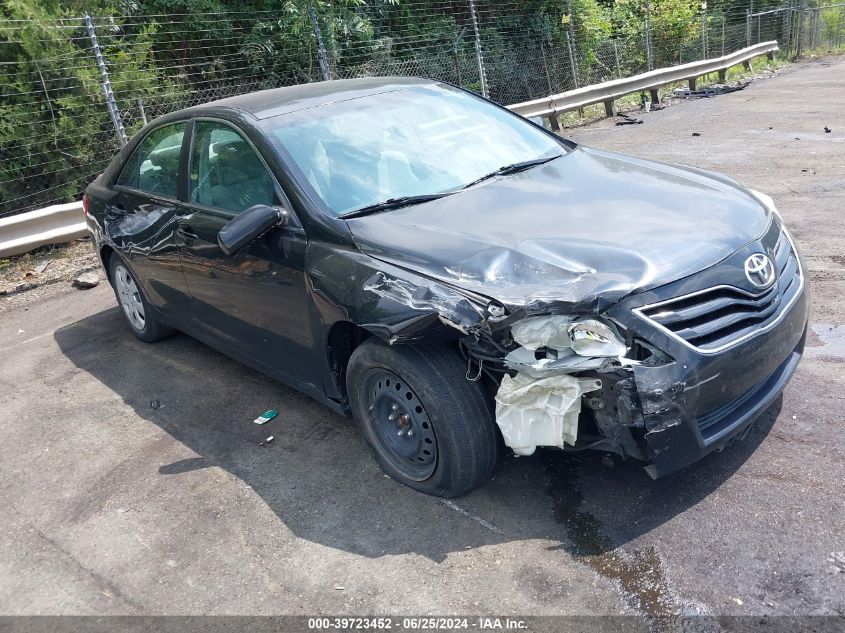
132	480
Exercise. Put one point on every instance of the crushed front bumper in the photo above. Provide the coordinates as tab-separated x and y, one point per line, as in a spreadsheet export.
699	402
677	437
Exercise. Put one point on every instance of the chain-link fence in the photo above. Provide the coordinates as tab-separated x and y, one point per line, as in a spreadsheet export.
73	89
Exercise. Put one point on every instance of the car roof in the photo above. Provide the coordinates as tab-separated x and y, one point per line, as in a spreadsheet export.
268	103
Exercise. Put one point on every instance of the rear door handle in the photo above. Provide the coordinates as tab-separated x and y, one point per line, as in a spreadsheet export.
186	233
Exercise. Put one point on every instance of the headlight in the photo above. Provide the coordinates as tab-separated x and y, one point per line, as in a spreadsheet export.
591	337
766	201
770	205
585	336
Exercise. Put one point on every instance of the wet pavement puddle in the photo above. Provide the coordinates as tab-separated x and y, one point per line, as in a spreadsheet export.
638	573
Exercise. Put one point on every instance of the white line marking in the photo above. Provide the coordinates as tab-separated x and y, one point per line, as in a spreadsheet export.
34	338
450	504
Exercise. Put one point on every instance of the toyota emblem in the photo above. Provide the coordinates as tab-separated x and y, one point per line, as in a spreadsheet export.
759	270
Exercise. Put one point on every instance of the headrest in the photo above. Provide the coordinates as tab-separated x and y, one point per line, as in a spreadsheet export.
166	157
236	162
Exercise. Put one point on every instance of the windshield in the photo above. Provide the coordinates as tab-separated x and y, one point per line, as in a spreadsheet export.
416	141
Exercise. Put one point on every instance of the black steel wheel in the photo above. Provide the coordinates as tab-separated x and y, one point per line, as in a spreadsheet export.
429	427
402	426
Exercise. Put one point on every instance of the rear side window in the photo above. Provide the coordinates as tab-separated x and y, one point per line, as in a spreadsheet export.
154	165
225	171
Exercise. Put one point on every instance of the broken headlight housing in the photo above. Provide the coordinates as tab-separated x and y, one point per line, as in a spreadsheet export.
589	337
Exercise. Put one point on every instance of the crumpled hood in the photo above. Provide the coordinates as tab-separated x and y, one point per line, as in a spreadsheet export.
587	229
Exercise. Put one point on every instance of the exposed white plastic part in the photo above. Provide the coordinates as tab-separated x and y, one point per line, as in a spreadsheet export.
540	412
543	331
524	360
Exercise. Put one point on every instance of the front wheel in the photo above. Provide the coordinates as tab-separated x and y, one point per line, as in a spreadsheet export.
429	427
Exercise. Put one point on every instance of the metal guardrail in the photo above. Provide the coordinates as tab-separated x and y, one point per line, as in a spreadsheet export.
50	225
608	91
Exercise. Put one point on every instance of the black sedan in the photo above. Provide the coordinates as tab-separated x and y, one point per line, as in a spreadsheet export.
455	277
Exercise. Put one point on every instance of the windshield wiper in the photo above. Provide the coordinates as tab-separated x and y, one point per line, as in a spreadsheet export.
406	201
394	203
513	169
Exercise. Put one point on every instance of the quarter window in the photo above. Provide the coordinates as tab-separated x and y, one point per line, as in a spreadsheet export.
154	166
225	171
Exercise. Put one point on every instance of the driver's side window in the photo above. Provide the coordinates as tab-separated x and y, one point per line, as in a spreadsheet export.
225	171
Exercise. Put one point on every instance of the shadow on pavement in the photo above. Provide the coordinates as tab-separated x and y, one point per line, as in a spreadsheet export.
319	479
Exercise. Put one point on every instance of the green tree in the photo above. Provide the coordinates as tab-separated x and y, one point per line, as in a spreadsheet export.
55	134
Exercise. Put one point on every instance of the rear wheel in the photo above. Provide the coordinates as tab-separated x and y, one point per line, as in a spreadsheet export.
136	311
429	427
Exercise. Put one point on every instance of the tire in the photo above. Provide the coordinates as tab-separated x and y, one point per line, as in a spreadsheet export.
136	310
429	427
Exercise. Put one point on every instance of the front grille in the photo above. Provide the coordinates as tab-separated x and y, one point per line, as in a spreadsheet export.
712	319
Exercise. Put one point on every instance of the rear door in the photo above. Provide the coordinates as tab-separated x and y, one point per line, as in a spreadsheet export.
255	303
142	219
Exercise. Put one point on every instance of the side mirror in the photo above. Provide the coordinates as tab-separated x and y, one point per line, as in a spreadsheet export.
248	226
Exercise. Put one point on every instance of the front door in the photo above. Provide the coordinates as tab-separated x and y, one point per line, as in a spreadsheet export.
253	304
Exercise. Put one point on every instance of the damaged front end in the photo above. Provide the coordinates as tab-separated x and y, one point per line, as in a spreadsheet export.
615	381
593	382
558	380
563	381
597	368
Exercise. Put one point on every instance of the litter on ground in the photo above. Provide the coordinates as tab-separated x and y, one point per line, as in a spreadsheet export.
265	417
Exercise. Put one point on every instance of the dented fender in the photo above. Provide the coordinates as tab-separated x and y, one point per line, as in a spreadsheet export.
393	303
